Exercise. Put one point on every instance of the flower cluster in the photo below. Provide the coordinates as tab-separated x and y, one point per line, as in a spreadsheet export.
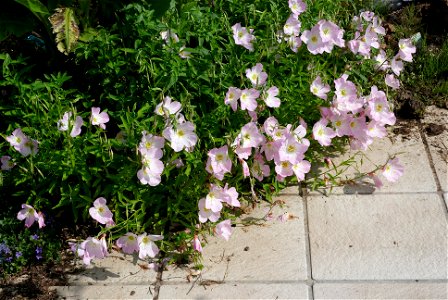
23	144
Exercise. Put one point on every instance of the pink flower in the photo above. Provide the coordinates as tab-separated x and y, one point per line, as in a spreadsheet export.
232	96
67	122
230	196
224	229
270	125
213	201
406	49
146	245
40	220
167	107
301	168
23	144
284	168
270	98
92	248
128	243
250	136
294	42
27	213
182	137
376	180
256	75
291	150
151	172
322	133
7	163
248	99
98	118
197	244
100	212
381	61
331	34
319	89
393	170
292	26
207	214
313	40
242	37
151	145
297	6
396	65
259	169
219	160
391	81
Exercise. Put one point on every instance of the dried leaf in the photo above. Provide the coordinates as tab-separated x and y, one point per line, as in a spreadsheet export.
64	26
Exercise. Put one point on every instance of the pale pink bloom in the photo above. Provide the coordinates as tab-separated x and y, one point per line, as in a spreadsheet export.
207	214
331	33
376	26
232	96
40	220
259	169
297	6
128	243
294	42
341	124
182	137
283	217
250	136
301	168
381	61
167	107
376	180
242	153
243	37
406	49
178	163
376	129
354	44
100	212
148	176
367	15
393	170
230	196
300	131
197	244
213	200
27	213
345	89
391	81
358	127
292	26
23	144
66	123
284	169
98	118
319	89
291	150
396	65
151	145
248	99
146	245
271	149
270	125
313	40
378	108
270	98
322	133
7	163
245	166
183	53
224	229
220	161
256	75
92	248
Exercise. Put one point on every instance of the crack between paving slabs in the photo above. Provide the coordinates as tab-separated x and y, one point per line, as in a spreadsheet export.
431	164
303	192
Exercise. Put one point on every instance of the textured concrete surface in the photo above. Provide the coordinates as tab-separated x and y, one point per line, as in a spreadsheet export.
375	237
393	290
357	243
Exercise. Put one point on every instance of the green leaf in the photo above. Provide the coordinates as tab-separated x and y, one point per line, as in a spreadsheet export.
64	26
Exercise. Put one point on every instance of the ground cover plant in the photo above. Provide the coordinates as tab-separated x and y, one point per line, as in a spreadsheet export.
156	131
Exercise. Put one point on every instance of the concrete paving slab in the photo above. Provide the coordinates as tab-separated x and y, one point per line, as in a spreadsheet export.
417	177
435	126
273	250
236	290
395	290
378	237
110	292
115	268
